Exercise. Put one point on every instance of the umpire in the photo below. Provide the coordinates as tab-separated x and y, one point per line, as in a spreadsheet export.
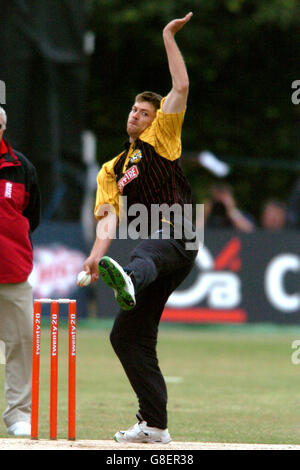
20	215
147	172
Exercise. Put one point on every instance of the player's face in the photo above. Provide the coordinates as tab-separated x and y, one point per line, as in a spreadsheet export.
140	117
2	127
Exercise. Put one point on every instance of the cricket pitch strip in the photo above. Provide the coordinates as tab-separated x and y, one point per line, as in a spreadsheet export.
61	444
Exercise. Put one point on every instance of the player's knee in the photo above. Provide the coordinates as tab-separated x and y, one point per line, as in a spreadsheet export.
118	341
125	348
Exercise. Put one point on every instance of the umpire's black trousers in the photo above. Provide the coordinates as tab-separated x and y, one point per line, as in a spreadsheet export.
158	267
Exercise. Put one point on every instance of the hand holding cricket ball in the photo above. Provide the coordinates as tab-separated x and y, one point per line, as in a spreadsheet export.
90	272
83	279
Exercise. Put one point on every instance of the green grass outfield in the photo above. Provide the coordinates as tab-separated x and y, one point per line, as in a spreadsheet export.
225	384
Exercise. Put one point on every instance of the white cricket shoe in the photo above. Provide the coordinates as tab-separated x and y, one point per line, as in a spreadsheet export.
140	432
20	428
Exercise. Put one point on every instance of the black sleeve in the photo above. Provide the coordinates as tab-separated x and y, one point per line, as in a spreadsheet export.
33	209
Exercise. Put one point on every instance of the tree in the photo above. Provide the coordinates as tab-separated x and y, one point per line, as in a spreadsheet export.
242	59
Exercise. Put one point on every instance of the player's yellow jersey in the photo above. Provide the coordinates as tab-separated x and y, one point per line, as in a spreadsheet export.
147	171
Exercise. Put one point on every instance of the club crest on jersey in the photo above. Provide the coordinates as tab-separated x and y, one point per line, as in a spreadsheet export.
136	157
129	175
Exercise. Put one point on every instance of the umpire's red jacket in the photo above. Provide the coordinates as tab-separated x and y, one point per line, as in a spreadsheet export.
19	214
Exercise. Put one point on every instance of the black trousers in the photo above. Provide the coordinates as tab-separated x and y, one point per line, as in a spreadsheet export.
158	267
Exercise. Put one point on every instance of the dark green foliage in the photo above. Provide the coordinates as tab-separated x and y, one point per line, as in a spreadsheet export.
242	57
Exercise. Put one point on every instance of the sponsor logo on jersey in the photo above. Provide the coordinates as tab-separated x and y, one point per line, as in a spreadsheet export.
8	190
129	175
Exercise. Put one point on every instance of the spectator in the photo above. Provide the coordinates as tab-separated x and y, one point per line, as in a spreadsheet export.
19	214
273	215
221	211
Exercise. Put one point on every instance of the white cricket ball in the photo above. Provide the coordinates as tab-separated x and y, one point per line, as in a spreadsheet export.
83	279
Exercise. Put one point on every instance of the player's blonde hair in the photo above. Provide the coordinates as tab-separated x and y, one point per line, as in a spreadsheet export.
151	97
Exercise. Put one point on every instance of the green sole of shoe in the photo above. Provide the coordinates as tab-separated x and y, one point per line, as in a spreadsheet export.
114	279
